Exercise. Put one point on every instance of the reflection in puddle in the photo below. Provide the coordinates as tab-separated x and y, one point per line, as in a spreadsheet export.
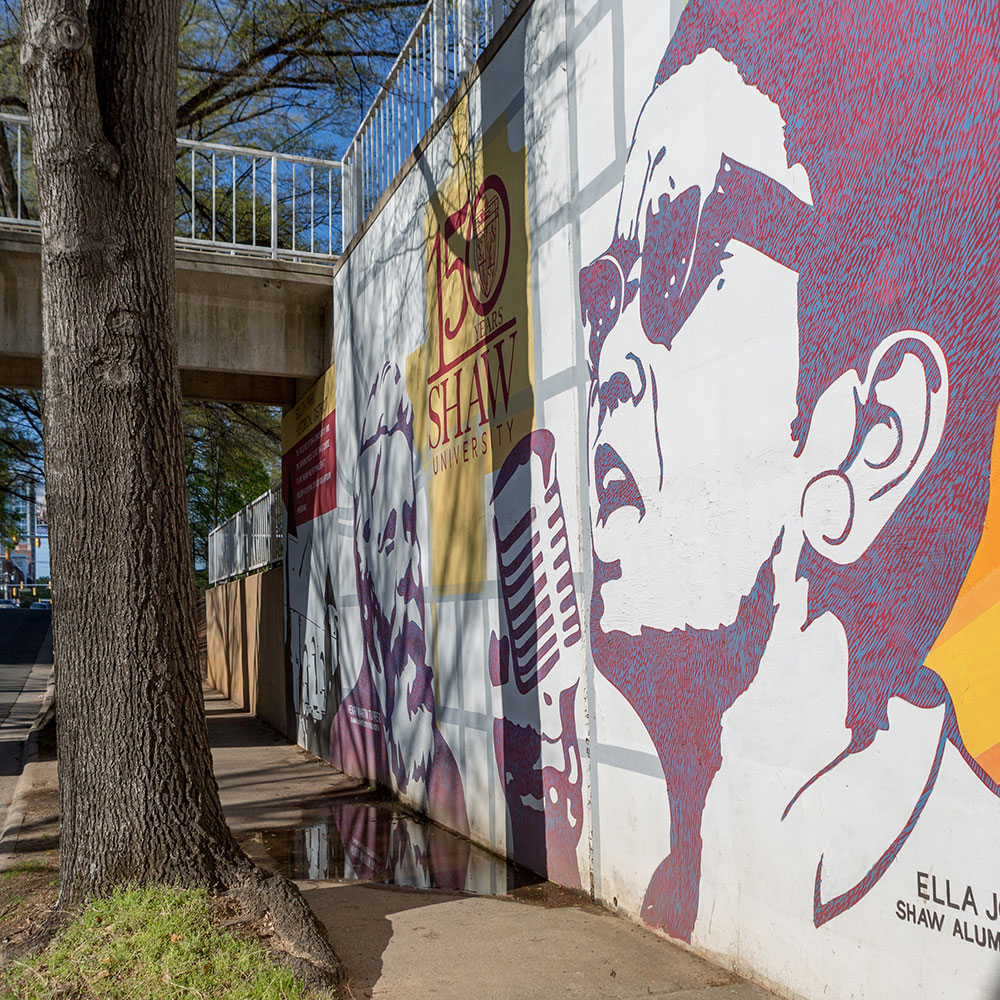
371	840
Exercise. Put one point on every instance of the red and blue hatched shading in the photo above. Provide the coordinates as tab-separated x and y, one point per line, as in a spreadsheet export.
892	109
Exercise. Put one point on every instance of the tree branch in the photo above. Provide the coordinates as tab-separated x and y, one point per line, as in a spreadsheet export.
240	414
186	112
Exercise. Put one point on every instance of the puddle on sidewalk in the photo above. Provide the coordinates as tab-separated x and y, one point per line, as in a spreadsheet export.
370	839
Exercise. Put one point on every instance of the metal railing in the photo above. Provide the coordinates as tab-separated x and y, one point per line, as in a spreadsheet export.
19	201
245	200
250	540
237	200
445	42
228	199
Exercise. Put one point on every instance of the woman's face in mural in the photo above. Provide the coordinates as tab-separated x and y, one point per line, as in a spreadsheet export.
693	339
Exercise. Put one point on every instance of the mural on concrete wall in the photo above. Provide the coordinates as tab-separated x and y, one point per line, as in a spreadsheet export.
309	492
386	727
795	372
538	683
456	504
474	383
752	332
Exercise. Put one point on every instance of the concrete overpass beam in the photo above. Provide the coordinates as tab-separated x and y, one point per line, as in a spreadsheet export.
249	329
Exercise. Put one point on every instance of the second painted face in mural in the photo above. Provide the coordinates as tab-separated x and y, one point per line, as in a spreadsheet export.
390	578
693	345
386	527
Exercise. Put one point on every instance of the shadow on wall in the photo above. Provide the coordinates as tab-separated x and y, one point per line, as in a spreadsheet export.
246	661
450	475
312	692
472	388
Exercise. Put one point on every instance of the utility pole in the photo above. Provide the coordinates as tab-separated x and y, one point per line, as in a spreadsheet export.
32	527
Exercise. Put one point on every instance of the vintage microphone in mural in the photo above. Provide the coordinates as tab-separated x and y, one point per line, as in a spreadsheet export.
535	571
536	747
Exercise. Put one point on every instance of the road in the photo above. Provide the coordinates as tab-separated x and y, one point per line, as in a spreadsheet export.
25	639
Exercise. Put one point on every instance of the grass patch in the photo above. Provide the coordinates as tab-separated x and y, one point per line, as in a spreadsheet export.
148	944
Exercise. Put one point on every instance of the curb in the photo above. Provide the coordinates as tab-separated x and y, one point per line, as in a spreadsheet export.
18	805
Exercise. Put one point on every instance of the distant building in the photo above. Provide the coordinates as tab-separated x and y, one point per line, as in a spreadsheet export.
28	560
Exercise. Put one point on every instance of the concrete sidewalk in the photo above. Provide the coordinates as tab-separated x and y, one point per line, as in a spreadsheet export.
25	665
342	844
400	943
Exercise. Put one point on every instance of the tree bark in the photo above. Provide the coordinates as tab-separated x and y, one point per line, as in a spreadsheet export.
138	799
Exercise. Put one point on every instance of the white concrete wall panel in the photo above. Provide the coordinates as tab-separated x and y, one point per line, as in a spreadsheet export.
666	553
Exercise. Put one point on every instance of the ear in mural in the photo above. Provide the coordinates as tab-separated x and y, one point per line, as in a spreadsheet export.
387	725
795	373
537	681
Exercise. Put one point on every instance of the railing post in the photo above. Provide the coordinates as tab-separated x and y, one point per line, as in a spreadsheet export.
496	17
274	208
467	37
20	182
247	539
254	546
424	69
213	197
355	204
232	186
359	191
193	206
439	54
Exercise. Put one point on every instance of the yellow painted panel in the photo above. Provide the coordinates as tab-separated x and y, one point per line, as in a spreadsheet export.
310	411
969	664
472	383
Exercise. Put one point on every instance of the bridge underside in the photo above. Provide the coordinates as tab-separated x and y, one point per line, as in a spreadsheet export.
250	330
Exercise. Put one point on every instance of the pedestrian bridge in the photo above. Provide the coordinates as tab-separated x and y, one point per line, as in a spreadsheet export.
257	234
250	329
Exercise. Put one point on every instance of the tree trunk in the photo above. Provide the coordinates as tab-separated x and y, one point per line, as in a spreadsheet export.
138	799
